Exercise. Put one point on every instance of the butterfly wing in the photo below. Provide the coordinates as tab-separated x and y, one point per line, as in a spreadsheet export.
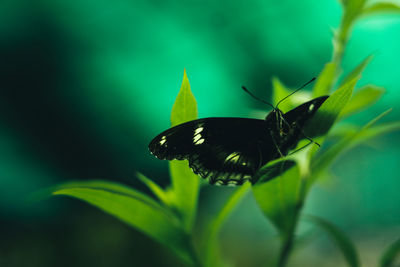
301	114
231	150
224	150
295	121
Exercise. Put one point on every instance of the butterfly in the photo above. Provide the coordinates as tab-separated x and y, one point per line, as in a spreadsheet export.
229	151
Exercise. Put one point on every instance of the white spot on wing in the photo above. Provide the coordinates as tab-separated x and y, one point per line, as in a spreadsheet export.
196	138
199	142
234	157
163	140
219	182
232	183
311	107
198	130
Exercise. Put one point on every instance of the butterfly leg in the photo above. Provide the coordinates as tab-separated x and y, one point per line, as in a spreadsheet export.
311	141
306	137
276	144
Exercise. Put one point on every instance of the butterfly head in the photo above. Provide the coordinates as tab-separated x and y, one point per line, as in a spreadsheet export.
275	115
275	120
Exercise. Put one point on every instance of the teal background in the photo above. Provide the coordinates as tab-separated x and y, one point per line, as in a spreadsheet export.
85	85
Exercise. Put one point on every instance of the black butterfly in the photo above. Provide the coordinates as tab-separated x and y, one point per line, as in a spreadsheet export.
229	151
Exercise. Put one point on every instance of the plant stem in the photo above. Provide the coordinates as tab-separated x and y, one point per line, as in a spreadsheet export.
340	41
341	37
286	249
194	256
288	240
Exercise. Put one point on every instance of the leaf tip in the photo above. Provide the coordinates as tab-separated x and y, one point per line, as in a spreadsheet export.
185	80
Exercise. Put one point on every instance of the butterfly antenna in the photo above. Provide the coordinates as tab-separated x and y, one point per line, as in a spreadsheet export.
304	85
257	98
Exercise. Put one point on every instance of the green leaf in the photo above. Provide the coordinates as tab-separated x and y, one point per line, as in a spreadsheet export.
185	191
325	80
155	188
357	71
326	115
364	97
376	119
134	209
185	184
185	106
210	237
110	186
352	10
343	2
278	199
390	255
281	198
381	7
342	241
373	132
349	140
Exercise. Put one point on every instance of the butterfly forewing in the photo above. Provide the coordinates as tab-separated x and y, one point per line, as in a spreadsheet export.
301	114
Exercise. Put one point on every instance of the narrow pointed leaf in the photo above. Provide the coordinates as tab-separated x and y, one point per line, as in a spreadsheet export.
353	138
342	241
364	97
325	80
391	255
376	119
133	208
377	131
155	188
330	110
357	71
185	106
381	7
185	184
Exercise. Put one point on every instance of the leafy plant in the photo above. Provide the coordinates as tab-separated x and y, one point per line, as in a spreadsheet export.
283	185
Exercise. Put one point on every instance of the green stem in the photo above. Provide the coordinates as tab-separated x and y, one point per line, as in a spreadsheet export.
288	240
341	37
194	256
339	43
286	248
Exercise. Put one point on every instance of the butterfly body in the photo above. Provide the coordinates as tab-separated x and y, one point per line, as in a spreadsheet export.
231	150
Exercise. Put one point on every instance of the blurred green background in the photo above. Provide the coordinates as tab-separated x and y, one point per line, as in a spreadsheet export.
85	85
